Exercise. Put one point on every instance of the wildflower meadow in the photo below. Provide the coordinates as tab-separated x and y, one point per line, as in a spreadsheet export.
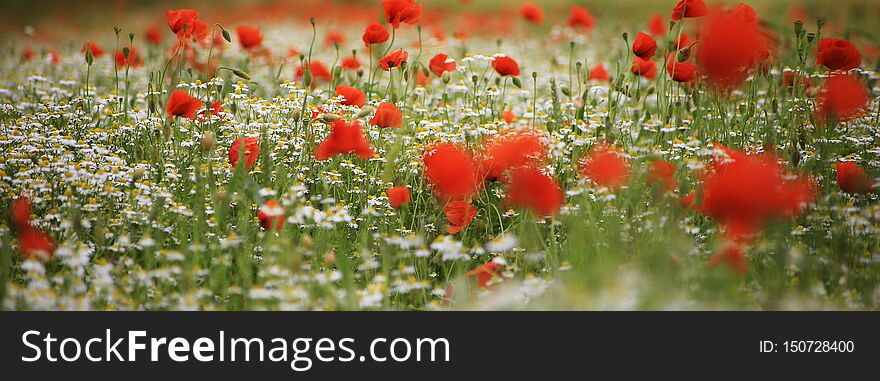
428	155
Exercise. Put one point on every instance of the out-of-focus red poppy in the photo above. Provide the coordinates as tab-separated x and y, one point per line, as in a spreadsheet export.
351	96
644	68
401	11
451	171
662	173
606	167
644	46
350	63
511	150
97	50
182	104
532	189
459	214
249	148
21	212
689	9
398	196
681	72
334	37
33	243
393	59
375	34
731	45
387	116
215	109
154	36
598	73
508	116
319	71
581	18
731	256
789	78
134	59
27	53
842	98
344	138
249	37
485	273
838	55
271	215
505	65
682	41
657	25
54	57
532	13
744	192
852	179
422	79
441	63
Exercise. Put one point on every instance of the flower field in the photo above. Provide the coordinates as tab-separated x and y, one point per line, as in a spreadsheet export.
410	155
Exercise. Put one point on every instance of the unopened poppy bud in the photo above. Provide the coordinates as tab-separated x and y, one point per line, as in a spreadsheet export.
312	20
125	52
116	30
329	259
307	242
565	90
241	74
625	37
296	113
131	36
446	77
337	71
683	55
534	75
137	174
329	118
89	57
367	110
207	141
517	82
307	77
225	34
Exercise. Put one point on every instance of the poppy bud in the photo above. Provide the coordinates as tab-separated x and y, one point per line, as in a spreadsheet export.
517	82
296	113
312	20
364	112
225	34
307	242
307	77
137	175
89	57
241	74
116	30
207	141
626	37
329	259
125	52
445	77
329	118
683	55
565	90
798	28
337	71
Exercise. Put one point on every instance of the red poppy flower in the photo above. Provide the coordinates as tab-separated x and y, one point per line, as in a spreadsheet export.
485	273
731	46
33	243
401	11
27	53
344	138
580	18
644	46
215	110
838	55
682	41
134	59
606	167
657	25
271	215
451	171
689	8
350	63
319	71
440	64
598	73
375	34
459	214
852	179
97	50
789	78
530	188
422	79
154	36
398	196
179	17
743	192
387	116
843	97
251	151
505	65
532	13
508	116
682	72
182	104
249	37
351	96
732	256
21	212
334	37
393	59
662	173
645	68
509	151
